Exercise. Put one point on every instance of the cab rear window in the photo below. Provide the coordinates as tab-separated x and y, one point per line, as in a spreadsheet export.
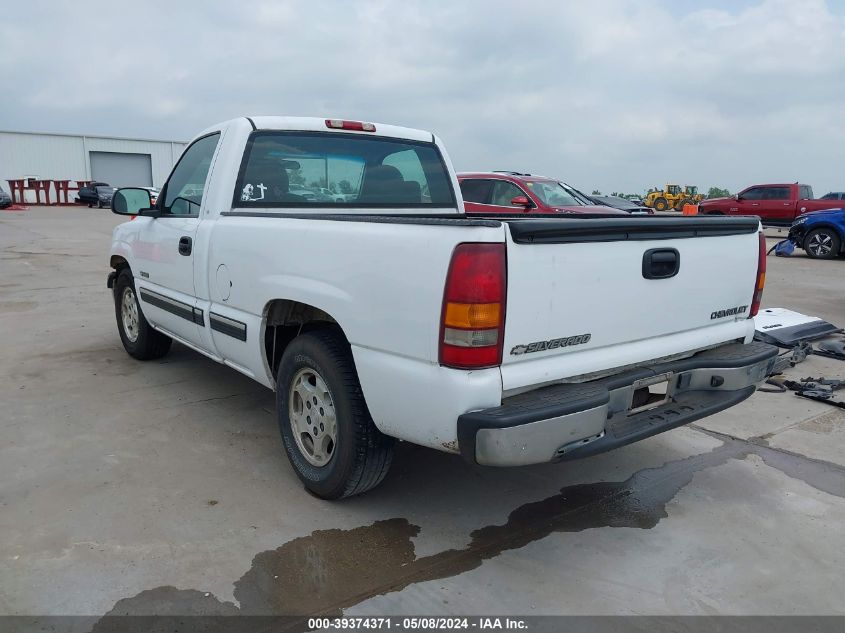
318	169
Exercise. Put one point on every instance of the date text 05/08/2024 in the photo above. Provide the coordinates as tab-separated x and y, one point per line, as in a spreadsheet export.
416	623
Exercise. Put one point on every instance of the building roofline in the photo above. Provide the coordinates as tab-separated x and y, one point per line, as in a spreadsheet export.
97	136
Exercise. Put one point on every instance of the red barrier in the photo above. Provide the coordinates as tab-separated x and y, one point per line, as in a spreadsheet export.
16	188
62	191
19	187
38	186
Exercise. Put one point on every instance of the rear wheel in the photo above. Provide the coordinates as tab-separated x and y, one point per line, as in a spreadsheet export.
139	338
822	243
661	204
328	434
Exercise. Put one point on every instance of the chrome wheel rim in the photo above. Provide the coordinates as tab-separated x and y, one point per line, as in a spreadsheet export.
312	416
129	314
820	244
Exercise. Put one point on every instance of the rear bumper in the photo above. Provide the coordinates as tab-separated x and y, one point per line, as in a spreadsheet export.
571	421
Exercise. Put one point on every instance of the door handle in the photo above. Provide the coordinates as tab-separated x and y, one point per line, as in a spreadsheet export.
755	204
661	263
186	244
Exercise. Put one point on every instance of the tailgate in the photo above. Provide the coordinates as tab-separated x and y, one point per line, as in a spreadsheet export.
589	295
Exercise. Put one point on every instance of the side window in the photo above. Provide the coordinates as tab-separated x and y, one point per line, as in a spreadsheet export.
184	189
755	193
805	192
504	192
828	196
778	193
476	190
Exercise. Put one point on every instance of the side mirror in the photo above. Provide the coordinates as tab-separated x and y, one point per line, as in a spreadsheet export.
520	201
131	201
736	197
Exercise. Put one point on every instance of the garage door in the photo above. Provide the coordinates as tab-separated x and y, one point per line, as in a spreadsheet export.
122	170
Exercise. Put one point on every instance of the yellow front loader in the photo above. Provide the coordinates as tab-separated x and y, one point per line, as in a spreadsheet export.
672	197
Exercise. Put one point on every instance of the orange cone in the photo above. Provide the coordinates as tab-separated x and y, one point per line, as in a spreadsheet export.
690	209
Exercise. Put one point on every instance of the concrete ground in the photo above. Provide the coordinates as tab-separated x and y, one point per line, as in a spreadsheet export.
161	487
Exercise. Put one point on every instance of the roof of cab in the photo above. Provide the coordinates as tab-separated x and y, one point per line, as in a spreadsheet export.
502	175
315	124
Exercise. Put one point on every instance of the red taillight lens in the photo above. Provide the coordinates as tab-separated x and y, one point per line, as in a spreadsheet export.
472	325
760	282
342	124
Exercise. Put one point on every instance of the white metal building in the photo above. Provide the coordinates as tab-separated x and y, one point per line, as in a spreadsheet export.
121	162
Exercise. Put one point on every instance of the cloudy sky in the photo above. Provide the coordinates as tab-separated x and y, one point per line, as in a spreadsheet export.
607	94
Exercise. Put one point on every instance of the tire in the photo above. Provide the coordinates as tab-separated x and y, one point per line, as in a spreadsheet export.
822	243
99	205
90	205
139	339
660	204
317	375
679	205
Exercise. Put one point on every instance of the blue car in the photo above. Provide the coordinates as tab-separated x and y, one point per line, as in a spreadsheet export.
820	233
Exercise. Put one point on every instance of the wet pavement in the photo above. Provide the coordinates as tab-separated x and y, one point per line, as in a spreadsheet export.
150	488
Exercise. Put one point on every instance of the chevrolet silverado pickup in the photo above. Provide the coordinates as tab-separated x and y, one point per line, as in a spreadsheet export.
388	313
774	204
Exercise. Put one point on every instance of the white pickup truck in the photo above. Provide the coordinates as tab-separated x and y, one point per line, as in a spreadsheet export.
384	312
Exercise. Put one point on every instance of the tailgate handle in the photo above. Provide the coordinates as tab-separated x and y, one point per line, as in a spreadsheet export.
661	263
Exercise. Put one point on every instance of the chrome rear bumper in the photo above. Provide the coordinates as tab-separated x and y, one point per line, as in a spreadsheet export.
570	421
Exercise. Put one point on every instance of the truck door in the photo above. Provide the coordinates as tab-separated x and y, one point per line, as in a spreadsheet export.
777	205
749	201
164	259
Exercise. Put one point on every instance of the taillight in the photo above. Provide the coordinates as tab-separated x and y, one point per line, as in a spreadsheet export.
472	325
342	124
760	282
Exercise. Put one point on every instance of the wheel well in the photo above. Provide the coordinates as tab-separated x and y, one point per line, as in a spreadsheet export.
117	262
285	320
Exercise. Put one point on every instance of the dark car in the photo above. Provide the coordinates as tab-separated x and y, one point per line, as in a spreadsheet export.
820	233
5	199
623	204
834	195
513	192
96	194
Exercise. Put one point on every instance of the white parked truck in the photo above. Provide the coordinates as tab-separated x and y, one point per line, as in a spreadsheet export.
386	313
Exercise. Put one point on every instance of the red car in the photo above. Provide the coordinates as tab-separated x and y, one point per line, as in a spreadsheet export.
513	192
777	204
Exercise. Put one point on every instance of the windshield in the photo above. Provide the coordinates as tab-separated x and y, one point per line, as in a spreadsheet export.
618	203
104	190
556	194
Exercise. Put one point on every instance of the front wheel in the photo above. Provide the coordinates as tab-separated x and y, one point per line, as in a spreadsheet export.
139	338
822	243
661	204
328	434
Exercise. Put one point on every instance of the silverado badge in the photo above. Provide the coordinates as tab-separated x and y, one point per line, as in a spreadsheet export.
540	346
